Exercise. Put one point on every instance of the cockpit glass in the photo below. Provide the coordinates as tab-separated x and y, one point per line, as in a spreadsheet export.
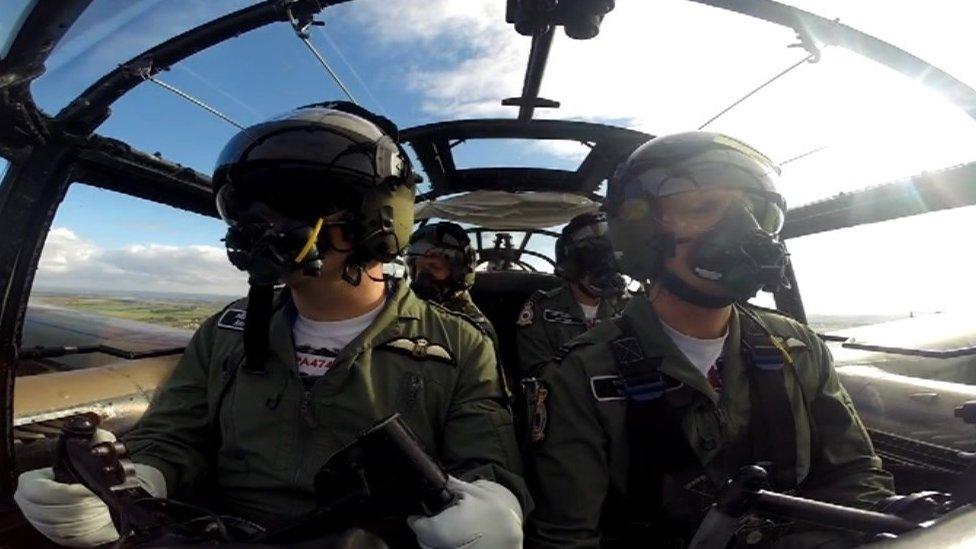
658	67
12	16
109	33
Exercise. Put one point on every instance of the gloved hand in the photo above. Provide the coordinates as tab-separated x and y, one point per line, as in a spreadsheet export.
916	507
70	514
486	516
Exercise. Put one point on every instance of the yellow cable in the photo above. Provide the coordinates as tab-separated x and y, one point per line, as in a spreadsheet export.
310	243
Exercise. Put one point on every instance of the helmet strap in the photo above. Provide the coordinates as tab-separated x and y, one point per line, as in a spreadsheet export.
257	325
672	283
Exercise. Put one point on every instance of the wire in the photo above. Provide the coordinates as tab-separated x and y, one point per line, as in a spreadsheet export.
301	26
353	71
804	155
810	58
328	69
192	99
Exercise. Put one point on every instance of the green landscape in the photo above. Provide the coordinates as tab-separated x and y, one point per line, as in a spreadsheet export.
189	311
186	314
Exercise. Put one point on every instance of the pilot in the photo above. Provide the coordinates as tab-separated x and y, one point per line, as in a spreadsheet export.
646	416
272	386
592	291
441	263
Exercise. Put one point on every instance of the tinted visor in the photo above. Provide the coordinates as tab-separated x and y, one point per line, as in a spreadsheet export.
295	192
593	230
694	212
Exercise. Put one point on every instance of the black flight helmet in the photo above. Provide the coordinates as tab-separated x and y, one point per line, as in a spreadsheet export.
704	187
585	256
276	183
448	240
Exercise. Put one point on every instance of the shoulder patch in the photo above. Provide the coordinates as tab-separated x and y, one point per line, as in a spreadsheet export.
560	317
419	348
527	315
232	319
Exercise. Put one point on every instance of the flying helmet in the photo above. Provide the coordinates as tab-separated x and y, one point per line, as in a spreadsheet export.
584	250
279	183
703	187
449	241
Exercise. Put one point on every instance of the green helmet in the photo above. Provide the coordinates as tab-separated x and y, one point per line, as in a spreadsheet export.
450	241
740	244
276	181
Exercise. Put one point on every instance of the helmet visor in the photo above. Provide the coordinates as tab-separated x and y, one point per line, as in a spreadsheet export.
593	230
692	213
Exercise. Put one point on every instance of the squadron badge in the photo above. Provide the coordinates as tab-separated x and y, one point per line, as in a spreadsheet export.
527	315
540	415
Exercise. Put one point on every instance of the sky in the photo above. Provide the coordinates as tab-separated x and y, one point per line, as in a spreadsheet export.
660	67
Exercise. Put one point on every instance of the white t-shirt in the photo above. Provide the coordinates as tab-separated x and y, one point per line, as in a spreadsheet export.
317	343
703	353
589	311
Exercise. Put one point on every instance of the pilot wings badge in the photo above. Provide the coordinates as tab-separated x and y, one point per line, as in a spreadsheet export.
419	348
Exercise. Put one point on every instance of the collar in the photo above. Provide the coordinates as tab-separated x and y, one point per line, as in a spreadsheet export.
401	306
656	342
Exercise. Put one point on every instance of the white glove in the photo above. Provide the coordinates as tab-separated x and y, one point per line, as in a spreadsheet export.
70	514
486	516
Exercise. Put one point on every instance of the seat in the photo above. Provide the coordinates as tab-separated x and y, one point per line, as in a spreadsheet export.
500	295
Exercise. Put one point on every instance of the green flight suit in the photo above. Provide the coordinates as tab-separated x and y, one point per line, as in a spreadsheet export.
259	449
581	461
549	320
462	303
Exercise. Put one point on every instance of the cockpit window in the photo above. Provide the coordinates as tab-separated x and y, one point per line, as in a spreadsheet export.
136	281
13	13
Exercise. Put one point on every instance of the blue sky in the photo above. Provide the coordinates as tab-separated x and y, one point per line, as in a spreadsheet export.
659	67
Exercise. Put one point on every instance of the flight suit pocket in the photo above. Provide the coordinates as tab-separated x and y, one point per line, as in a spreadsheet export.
253	423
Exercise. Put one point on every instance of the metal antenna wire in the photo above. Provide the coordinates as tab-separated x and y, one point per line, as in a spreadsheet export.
812	58
301	30
191	99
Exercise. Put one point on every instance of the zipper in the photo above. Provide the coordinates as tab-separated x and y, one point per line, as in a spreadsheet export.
308	419
306	409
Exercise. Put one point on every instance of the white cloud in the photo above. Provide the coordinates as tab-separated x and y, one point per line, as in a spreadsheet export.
70	261
670	65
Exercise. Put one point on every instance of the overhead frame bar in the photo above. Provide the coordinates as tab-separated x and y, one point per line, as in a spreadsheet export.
924	193
609	145
534	70
834	33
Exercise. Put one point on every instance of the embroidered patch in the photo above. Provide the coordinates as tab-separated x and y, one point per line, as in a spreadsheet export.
795	344
540	414
559	317
232	319
420	348
527	315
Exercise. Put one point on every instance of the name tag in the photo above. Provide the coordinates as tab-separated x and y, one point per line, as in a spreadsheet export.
232	319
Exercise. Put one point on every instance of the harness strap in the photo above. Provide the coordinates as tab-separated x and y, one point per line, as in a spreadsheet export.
772	426
654	438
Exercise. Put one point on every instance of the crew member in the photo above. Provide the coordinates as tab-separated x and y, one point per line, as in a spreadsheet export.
442	263
645	418
592	290
272	386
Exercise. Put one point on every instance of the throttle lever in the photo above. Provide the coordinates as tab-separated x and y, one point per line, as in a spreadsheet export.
103	469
